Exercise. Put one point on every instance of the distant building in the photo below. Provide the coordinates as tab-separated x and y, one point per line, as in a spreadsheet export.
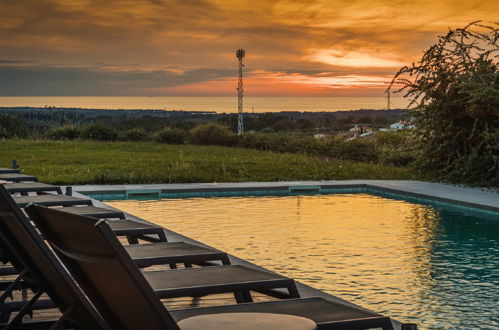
400	125
320	136
361	129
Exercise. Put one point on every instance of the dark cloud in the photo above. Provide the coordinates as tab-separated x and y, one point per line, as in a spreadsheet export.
16	61
62	81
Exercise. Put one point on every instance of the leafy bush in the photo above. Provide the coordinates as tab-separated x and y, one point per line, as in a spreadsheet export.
64	133
396	157
393	139
454	92
281	143
213	134
12	127
170	135
99	132
136	134
395	147
357	150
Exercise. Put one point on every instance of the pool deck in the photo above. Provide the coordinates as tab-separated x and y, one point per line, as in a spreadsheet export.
446	193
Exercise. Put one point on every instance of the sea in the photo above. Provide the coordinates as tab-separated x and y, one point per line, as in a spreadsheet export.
203	103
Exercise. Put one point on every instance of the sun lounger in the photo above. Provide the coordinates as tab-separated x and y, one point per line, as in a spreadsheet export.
14	177
132	229
144	255
68	232
39	267
138	305
35	187
51	200
4	170
11	236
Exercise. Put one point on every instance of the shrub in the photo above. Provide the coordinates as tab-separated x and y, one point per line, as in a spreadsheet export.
397	157
99	132
454	92
64	133
396	147
357	150
12	127
170	135
393	139
281	143
212	133
136	134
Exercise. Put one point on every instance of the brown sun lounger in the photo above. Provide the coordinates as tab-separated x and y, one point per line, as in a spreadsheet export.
144	255
38	266
51	200
4	170
132	229
35	187
138	305
15	177
69	232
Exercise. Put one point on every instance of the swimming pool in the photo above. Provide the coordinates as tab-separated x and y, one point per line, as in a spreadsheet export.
432	264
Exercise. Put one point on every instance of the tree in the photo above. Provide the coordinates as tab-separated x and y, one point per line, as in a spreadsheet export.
12	126
454	94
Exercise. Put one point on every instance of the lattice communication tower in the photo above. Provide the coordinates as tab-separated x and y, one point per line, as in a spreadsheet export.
240	128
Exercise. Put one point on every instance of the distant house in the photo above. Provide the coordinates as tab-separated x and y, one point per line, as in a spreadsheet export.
361	129
400	125
320	136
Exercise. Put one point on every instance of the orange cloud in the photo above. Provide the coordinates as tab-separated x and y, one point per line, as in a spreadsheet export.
357	44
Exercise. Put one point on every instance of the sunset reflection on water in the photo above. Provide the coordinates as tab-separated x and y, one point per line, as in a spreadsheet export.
387	255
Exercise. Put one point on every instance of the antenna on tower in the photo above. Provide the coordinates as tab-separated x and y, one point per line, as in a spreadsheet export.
240	128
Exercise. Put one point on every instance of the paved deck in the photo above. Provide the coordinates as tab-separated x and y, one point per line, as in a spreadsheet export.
469	197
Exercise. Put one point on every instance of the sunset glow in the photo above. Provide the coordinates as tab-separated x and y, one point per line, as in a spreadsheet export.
167	47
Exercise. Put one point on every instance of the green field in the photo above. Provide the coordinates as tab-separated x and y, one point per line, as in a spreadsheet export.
85	162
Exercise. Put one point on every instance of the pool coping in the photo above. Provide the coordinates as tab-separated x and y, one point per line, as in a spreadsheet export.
463	196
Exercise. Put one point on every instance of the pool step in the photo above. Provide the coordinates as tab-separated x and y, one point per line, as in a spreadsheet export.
304	189
131	194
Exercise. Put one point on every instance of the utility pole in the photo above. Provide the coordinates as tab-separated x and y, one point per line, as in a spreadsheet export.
240	128
388	102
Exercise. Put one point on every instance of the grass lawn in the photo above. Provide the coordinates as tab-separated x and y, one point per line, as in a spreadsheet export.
70	162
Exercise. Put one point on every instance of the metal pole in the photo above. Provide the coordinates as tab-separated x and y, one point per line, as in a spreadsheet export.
240	127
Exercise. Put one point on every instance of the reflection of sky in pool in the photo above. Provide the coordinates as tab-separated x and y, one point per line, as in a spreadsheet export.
433	266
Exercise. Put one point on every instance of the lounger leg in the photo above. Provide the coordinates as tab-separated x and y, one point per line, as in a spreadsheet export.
16	323
173	265
11	287
60	322
293	290
132	239
187	265
225	260
243	296
162	236
13	306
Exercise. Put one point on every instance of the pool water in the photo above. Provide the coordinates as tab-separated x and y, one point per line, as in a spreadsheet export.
436	266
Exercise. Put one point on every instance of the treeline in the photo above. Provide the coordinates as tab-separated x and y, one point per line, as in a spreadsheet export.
38	121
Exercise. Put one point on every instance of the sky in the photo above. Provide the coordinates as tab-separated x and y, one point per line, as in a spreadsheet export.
187	47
